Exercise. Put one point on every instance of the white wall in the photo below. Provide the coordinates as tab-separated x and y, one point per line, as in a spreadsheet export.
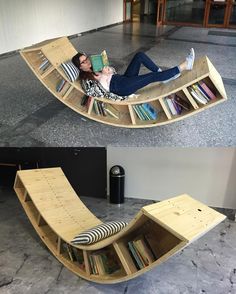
26	22
207	174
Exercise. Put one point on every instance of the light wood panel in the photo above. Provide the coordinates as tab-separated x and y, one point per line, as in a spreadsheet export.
57	214
61	50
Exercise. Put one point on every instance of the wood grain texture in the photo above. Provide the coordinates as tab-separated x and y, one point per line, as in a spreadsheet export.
57	214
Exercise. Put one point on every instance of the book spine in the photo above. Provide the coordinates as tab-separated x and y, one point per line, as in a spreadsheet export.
151	111
95	105
135	255
144	113
171	106
177	107
196	97
207	90
194	87
137	112
60	85
111	111
200	89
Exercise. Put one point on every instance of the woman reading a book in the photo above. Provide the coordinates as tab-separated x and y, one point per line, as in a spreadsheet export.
109	84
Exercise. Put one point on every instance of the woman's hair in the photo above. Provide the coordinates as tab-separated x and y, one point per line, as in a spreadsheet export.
84	75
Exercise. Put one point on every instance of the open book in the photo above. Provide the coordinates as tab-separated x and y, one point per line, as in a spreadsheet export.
99	61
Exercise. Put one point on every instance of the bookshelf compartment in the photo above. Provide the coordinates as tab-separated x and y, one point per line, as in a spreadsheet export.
105	263
213	88
38	61
151	247
74	100
52	80
32	211
20	189
161	114
72	255
181	94
123	112
49	236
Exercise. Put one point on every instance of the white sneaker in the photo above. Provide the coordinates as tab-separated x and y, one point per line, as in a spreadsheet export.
190	59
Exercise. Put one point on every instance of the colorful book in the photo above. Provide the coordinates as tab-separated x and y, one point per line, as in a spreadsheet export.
197	98
111	110
99	61
198	92
110	261
99	264
144	251
65	89
99	107
44	65
135	256
84	100
95	107
177	107
171	106
202	92
150	110
92	265
144	114
60	85
183	103
137	111
207	90
70	252
79	257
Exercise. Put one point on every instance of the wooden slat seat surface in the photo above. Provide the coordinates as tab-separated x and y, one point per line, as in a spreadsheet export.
57	202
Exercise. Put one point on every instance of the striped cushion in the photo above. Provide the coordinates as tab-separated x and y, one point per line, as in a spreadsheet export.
70	70
99	232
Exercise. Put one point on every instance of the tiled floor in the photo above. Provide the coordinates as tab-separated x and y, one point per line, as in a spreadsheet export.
31	116
208	265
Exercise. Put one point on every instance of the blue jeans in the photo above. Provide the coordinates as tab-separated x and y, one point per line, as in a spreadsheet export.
131	81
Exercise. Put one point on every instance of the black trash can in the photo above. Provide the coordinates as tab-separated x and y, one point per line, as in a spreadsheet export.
117	184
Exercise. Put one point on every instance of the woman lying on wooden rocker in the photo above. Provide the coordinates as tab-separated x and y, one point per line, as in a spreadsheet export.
115	86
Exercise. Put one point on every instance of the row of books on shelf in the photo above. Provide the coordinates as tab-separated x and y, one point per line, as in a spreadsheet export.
44	65
103	262
176	104
141	252
74	254
63	87
105	109
145	111
201	93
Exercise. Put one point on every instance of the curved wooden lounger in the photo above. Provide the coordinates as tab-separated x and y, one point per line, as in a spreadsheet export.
61	50
57	214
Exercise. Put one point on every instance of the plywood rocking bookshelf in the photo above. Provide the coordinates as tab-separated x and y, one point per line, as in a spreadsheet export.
61	50
57	214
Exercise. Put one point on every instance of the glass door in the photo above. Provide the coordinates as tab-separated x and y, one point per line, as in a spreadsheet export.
232	14
218	12
185	11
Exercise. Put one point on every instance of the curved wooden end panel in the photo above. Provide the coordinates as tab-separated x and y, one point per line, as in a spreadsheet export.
57	214
45	59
